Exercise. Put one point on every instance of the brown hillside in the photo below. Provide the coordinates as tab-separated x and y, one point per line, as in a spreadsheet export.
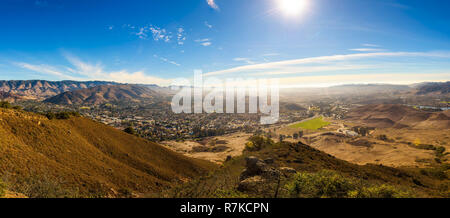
303	158
104	94
85	157
398	116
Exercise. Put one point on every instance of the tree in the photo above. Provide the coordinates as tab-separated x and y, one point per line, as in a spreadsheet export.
295	136
130	130
5	104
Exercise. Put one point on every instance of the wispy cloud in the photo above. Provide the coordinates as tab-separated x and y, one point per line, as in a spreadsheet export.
270	66
181	36
366	49
208	25
313	69
45	69
157	33
204	42
82	71
370	45
270	54
167	60
246	60
213	4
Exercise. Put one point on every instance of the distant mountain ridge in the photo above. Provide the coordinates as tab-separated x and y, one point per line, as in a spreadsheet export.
104	94
434	88
398	116
41	89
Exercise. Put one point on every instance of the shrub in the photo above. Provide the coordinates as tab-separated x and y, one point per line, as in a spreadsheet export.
62	115
330	184
130	130
125	193
440	151
324	184
257	143
5	104
382	191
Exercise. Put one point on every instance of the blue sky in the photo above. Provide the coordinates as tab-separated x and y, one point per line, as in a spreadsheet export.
325	42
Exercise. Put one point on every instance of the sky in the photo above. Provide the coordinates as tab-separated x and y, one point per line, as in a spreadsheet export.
301	42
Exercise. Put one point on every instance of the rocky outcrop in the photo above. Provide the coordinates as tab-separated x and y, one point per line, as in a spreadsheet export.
261	177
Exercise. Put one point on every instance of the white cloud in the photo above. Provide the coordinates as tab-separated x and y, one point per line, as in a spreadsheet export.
313	69
83	71
246	60
324	59
366	49
46	69
157	33
208	25
181	36
212	4
167	60
370	45
204	42
142	33
270	54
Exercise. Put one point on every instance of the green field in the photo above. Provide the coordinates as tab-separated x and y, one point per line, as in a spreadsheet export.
313	124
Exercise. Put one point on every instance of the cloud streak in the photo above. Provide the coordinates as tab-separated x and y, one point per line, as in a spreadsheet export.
212	4
323	59
82	71
205	42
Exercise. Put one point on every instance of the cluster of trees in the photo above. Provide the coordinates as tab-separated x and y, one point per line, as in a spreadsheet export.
7	105
198	132
62	115
258	142
294	136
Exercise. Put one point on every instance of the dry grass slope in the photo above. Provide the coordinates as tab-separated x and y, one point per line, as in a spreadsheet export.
82	158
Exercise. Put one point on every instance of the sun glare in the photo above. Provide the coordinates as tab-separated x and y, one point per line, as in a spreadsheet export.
292	7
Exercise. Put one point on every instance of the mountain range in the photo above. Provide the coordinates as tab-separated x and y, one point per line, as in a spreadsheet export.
41	89
105	94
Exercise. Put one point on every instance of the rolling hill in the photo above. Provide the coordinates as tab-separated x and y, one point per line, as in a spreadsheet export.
78	157
105	94
398	116
286	158
433	88
41	89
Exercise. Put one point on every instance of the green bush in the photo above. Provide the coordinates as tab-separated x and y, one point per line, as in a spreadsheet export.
130	130
257	143
62	115
330	184
383	191
5	104
324	184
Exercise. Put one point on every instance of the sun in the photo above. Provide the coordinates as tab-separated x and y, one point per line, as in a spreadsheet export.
292	7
